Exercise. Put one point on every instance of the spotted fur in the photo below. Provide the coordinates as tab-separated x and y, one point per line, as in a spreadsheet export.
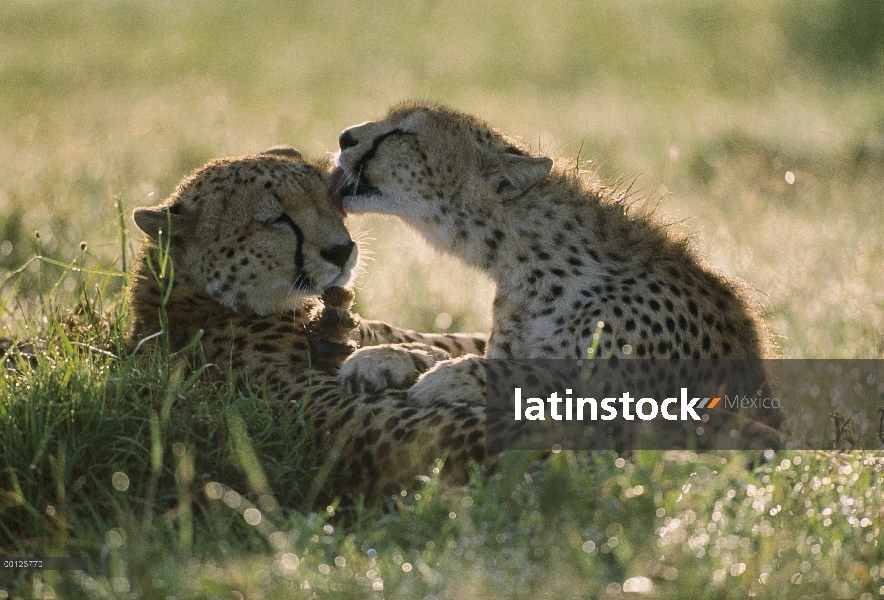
251	242
566	254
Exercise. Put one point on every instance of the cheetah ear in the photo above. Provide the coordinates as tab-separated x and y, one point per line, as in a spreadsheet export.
516	173
283	150
154	220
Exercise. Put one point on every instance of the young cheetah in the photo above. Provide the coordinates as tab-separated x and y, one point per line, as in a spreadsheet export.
240	251
565	254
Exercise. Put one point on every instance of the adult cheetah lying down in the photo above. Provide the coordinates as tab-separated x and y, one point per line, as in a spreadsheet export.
252	241
565	254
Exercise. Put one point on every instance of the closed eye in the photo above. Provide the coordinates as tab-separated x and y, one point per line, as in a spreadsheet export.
369	154
286	221
283	220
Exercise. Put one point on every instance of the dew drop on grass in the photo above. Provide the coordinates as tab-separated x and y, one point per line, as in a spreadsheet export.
120	481
214	490
232	499
267	503
638	585
114	538
289	561
252	516
443	320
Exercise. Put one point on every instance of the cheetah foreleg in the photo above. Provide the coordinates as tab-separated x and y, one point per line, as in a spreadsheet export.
458	380
377	368
377	333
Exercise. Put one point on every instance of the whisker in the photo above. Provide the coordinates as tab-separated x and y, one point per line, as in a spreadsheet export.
292	295
300	288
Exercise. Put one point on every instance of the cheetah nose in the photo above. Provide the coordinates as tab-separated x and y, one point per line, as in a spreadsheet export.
338	254
347	140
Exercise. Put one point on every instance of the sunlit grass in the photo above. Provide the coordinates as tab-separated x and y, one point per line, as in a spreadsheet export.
714	103
157	475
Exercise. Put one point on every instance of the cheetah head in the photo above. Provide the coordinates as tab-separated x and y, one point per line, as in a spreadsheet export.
422	155
256	233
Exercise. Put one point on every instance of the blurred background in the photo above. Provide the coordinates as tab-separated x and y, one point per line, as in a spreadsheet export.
757	127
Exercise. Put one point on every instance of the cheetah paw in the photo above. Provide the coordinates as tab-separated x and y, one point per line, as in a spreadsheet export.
458	380
329	333
376	368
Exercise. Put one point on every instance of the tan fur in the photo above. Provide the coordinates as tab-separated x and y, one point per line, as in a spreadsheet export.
565	255
550	242
251	241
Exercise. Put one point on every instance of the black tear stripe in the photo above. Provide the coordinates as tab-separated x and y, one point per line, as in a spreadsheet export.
369	154
299	248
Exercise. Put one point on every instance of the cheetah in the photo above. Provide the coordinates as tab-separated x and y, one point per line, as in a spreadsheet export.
238	254
566	254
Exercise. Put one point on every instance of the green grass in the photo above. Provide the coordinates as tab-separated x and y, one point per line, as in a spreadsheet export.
138	464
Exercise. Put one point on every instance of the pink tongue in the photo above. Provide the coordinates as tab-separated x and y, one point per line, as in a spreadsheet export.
337	180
